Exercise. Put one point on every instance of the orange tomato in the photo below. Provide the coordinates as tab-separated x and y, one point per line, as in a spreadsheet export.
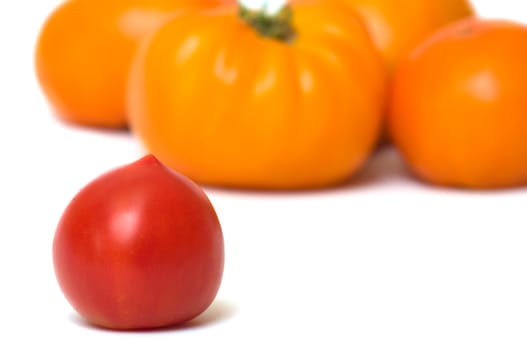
398	26
215	100
84	51
458	109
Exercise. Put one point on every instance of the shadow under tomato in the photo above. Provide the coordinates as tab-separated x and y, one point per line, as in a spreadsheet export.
218	312
123	130
386	164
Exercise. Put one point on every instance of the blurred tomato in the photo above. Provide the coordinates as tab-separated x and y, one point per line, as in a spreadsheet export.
139	247
84	51
458	109
230	102
398	26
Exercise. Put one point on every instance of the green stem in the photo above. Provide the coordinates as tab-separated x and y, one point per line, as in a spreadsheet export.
276	26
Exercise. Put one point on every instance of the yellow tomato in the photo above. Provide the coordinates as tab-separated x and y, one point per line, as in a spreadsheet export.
84	51
222	100
398	26
457	109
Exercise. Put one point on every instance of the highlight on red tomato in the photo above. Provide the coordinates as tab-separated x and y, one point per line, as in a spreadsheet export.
84	51
458	110
239	97
139	247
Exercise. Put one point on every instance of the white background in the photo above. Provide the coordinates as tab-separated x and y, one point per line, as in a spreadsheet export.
383	263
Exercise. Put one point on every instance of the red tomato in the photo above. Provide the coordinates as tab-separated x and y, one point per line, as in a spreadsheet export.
139	247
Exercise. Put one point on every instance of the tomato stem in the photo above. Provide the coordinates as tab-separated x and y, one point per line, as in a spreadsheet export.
272	25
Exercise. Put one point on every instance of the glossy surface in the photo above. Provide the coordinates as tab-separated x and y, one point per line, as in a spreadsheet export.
139	247
398	26
214	100
458	111
84	51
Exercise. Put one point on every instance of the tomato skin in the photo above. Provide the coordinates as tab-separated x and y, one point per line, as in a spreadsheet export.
457	109
84	50
399	26
226	107
139	247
